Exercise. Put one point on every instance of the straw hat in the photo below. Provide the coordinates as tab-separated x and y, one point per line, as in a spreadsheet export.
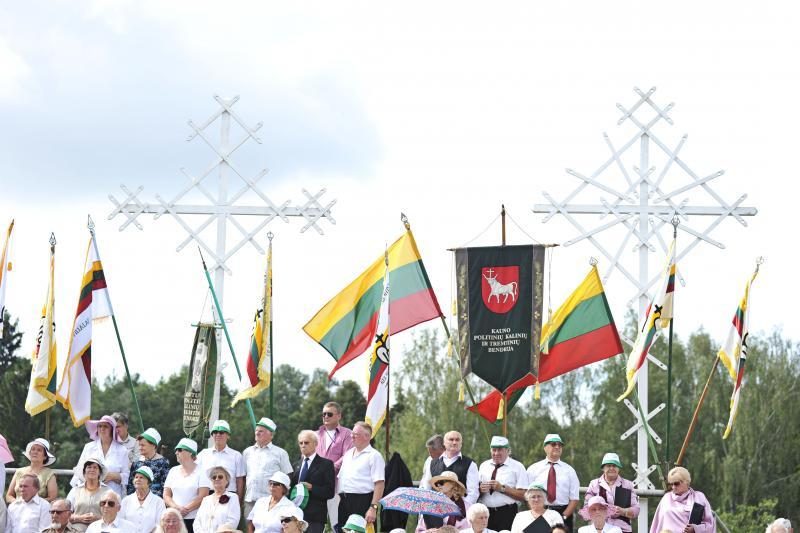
228	528
294	512
449	476
96	460
91	427
44	444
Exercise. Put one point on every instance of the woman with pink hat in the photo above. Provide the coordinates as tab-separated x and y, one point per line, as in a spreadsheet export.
38	453
598	512
104	445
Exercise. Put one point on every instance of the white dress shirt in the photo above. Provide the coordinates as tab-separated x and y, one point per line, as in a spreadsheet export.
567	484
28	517
607	528
472	478
119	525
361	470
260	463
511	474
144	515
525	518
228	458
116	460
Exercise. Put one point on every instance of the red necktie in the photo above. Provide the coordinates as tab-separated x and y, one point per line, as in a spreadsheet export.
494	475
551	484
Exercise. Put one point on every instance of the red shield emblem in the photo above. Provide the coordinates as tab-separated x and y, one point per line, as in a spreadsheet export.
500	288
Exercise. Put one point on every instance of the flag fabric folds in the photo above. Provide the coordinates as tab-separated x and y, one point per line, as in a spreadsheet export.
735	348
5	268
345	324
259	357
75	390
42	390
658	315
378	371
581	331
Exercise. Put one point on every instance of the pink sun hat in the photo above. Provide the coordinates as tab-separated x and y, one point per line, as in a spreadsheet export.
5	452
91	427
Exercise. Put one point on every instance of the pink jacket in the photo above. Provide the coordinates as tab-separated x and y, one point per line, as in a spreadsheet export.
674	510
342	442
594	490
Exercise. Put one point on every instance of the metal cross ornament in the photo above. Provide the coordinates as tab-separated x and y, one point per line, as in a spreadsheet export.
635	208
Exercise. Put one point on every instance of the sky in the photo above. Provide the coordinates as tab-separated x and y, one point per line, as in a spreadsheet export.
443	111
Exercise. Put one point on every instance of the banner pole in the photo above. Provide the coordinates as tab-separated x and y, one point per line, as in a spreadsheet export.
675	222
270	235
227	335
693	423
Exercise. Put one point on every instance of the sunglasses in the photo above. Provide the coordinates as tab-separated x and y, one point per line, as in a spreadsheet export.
275	484
107	503
326	414
287	520
673	483
216	477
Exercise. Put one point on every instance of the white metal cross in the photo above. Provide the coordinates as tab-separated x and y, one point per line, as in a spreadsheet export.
639	205
222	208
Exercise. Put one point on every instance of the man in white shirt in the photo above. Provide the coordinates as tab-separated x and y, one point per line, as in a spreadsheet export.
558	478
30	513
361	477
435	446
452	460
261	460
109	521
503	481
222	455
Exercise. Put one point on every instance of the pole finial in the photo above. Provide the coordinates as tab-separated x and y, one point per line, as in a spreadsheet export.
759	261
404	220
90	224
593	261
52	239
270	235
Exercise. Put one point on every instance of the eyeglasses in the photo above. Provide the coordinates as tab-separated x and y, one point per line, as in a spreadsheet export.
673	483
326	414
58	511
216	477
275	484
287	520
107	503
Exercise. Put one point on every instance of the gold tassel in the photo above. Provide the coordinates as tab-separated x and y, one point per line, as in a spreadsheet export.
500	409
461	392
450	347
536	392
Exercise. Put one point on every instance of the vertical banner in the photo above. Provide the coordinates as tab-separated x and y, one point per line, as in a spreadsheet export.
200	381
499	305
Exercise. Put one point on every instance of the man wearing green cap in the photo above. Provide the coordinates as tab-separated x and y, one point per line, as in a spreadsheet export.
224	456
559	479
261	460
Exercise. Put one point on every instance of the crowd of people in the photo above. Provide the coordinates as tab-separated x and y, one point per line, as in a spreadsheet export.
122	484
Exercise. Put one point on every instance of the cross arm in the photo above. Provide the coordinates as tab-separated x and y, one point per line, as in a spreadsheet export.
624	209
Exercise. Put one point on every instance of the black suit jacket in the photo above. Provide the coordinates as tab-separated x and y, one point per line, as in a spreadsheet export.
322	477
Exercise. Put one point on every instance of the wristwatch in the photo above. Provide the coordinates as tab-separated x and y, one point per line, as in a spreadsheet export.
565	517
374	506
502	489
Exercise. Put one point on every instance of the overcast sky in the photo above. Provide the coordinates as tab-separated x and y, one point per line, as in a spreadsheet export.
443	111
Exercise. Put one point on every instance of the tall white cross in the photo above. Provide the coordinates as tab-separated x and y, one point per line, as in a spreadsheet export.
637	206
223	207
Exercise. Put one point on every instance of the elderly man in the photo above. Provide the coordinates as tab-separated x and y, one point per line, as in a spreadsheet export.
452	460
60	512
558	477
435	447
125	438
333	440
361	477
28	513
781	525
503	481
224	456
318	476
109	521
261	460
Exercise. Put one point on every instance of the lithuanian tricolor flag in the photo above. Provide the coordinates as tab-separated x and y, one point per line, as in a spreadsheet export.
345	325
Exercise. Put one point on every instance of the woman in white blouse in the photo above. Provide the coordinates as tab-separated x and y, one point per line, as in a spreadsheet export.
105	446
182	490
142	508
219	507
266	514
85	498
535	496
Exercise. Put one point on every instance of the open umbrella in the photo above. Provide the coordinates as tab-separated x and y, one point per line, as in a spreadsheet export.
5	453
413	500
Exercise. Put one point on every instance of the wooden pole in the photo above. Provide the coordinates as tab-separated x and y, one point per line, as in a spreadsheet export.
503	242
503	223
693	423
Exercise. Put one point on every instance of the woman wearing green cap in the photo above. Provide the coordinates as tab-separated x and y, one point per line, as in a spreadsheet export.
142	508
149	457
183	490
623	504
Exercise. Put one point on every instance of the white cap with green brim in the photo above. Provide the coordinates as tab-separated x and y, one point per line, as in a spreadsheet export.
152	436
499	442
187	444
553	437
356	523
267	423
221	426
537	486
611	459
146	471
299	495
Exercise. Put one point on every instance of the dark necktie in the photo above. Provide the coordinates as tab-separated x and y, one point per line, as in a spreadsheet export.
304	470
551	484
494	475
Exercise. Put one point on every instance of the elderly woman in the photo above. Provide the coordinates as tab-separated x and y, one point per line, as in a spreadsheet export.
142	508
38	453
85	498
623	503
171	522
537	516
448	484
219	507
781	525
265	516
182	490
148	448
292	520
598	513
478	516
104	445
684	510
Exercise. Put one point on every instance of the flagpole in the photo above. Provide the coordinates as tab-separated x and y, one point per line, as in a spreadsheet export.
270	235
693	423
49	326
227	335
503	243
675	222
